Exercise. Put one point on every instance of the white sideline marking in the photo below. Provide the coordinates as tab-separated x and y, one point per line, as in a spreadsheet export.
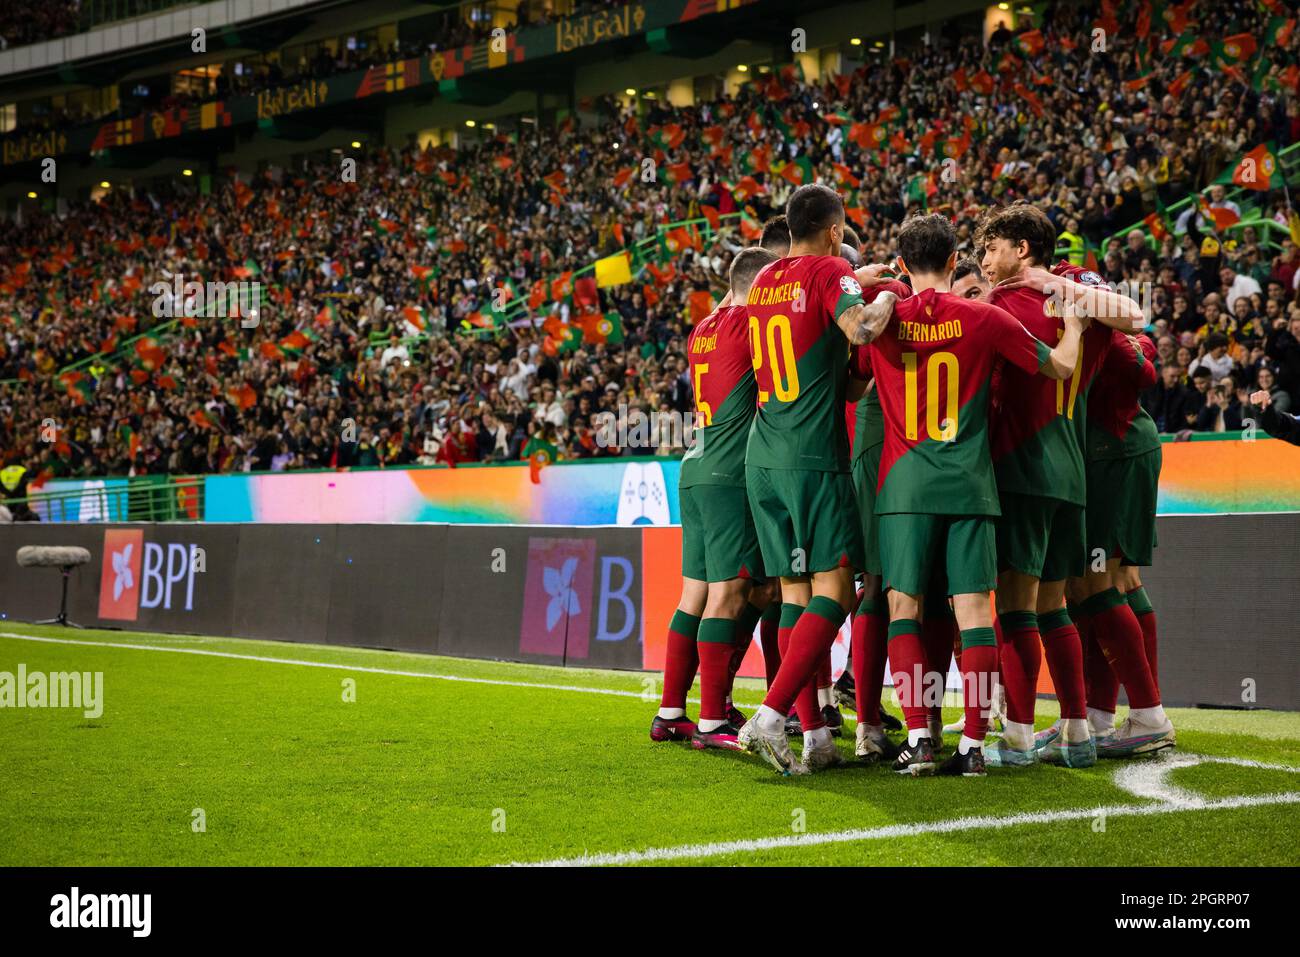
1144	780
334	666
980	823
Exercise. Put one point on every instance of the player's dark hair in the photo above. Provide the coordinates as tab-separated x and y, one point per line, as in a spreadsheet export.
748	264
850	255
967	267
851	237
776	235
1020	223
926	243
811	209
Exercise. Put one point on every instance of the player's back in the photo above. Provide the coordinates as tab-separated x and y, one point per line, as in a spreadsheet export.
933	368
1037	436
1117	425
722	382
799	358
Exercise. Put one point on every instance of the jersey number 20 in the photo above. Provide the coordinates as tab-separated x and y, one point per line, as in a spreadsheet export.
780	340
939	429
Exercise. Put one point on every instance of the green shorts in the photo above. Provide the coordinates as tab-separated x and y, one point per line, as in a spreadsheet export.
807	521
919	550
718	538
1122	507
866	473
1041	537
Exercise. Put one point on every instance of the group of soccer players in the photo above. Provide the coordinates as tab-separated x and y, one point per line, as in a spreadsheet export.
998	447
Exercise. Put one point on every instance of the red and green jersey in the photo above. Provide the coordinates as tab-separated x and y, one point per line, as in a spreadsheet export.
933	368
799	357
1118	427
869	419
722	381
1039	424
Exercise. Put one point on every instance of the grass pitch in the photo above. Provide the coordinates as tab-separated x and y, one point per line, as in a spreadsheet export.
452	761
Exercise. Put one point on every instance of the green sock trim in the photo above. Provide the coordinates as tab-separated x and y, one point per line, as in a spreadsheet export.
717	631
904	626
748	619
772	612
790	614
1139	602
1018	621
975	637
684	624
1104	601
827	608
866	607
1054	620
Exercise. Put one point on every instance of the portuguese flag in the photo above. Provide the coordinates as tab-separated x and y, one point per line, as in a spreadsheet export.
1257	170
539	454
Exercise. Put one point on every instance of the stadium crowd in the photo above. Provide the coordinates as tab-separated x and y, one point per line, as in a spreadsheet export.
377	343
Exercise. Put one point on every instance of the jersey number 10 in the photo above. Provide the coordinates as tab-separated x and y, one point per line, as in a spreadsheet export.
780	340
939	429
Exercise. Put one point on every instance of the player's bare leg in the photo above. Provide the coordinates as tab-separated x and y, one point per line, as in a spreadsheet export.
826	595
913	684
727	604
1069	741
671	723
1021	656
760	601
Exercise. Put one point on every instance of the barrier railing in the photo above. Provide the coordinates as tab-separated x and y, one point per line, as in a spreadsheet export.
148	498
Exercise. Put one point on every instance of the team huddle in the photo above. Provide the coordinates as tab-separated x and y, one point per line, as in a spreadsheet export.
999	455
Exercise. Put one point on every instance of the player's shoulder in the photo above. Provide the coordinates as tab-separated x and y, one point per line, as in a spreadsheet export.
900	289
1080	274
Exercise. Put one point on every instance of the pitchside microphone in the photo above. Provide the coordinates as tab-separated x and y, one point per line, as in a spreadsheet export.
850	254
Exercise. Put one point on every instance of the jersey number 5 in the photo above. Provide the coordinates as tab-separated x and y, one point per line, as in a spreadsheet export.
703	408
780	340
940	430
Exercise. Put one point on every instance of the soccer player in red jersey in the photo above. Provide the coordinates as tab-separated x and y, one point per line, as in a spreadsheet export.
719	607
1038	456
804	312
936	496
1122	448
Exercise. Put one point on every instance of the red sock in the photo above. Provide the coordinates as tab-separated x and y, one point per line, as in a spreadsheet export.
870	651
980	658
715	642
1098	677
744	635
824	670
937	632
1064	656
681	661
907	666
810	640
1120	637
1020	655
767	637
1146	616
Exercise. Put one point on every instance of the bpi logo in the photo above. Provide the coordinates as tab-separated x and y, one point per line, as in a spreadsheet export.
558	593
138	574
